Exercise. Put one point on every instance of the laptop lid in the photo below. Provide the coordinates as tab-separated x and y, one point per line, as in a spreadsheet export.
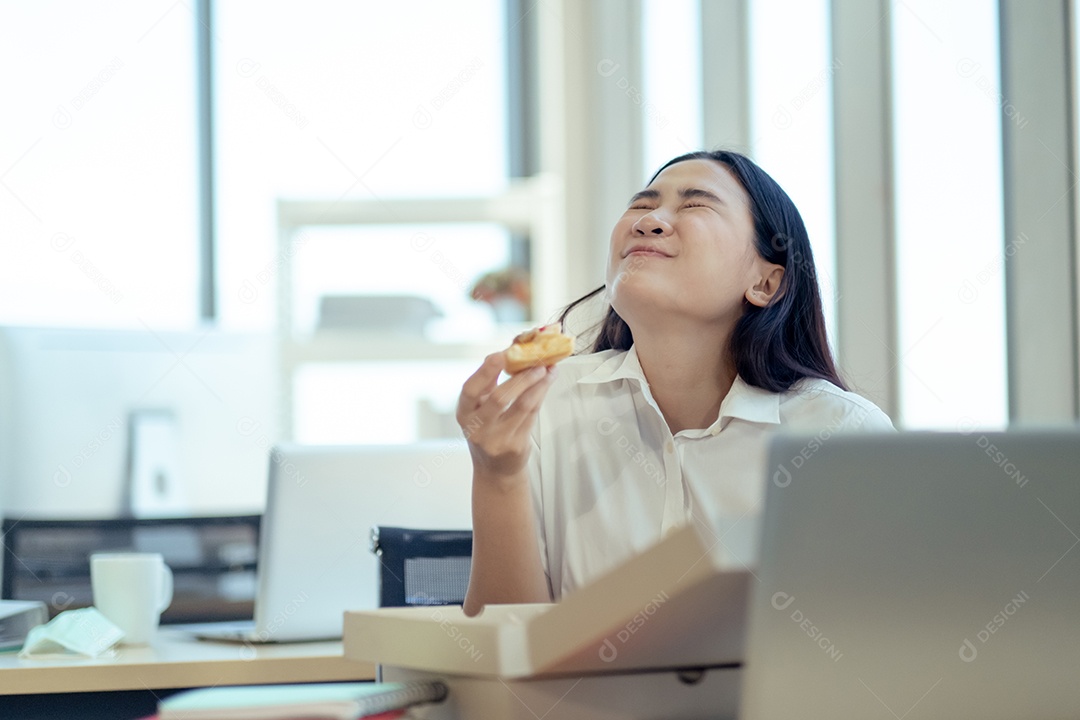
315	560
918	576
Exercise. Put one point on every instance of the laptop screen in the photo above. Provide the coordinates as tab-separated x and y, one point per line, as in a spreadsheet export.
919	575
315	558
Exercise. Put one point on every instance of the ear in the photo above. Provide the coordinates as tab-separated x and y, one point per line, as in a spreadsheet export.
765	289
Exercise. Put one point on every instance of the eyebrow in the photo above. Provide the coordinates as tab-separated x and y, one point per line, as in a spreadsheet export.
684	193
644	195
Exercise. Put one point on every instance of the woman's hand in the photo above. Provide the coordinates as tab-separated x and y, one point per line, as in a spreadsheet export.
497	419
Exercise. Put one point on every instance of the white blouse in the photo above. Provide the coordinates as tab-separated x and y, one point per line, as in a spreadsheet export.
609	479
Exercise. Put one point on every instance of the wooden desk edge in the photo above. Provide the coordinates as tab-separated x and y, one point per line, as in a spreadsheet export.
154	675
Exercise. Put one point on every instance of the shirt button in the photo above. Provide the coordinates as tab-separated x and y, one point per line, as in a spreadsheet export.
669	447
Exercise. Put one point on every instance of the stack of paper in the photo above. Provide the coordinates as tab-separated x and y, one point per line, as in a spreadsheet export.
17	618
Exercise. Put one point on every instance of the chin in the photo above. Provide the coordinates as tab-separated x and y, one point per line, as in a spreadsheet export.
639	301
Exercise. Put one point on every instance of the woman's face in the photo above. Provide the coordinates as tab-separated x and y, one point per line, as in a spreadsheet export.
685	246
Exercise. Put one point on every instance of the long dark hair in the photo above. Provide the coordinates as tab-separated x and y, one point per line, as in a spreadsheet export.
773	346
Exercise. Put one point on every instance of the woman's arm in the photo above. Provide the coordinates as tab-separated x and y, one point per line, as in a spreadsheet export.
506	558
497	420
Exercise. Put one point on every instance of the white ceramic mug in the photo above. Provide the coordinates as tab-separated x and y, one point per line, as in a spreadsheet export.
132	590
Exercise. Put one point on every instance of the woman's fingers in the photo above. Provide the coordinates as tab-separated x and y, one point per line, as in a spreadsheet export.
480	384
503	426
526	403
504	395
496	418
481	394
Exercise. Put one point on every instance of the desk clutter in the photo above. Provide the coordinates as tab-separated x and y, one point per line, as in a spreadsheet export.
213	560
84	632
17	618
935	570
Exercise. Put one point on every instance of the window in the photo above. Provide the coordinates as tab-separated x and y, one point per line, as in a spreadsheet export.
336	101
361	104
672	80
98	208
950	252
791	120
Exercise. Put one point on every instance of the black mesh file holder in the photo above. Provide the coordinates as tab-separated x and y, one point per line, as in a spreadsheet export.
422	567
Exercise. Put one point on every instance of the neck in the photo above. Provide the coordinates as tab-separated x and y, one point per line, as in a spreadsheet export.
689	373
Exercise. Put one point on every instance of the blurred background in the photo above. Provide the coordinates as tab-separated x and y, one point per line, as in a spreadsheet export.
227	224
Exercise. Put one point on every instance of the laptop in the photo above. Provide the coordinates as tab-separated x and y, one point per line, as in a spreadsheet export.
918	576
315	558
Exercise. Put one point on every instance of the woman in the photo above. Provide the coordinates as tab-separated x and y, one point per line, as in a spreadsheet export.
714	339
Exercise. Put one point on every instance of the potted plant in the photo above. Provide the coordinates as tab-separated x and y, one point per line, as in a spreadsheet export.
508	291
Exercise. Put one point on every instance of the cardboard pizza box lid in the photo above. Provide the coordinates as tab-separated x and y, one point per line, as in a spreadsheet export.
676	605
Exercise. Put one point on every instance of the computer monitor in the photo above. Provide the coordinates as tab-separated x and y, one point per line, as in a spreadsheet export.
68	396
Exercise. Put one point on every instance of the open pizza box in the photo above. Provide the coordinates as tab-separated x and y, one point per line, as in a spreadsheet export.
659	636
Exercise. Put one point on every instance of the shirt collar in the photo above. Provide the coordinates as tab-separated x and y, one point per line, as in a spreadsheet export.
749	403
743	401
621	366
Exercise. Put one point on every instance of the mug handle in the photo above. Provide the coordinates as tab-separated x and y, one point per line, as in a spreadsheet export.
166	588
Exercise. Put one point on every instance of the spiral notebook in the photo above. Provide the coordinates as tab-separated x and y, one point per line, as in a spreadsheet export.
323	701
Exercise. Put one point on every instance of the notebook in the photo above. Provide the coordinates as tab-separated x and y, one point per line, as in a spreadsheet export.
315	558
329	701
918	575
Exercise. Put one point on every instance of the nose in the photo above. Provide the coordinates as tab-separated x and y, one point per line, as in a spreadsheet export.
651	223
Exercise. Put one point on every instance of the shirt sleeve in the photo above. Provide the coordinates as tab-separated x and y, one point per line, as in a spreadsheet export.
838	411
875	420
857	414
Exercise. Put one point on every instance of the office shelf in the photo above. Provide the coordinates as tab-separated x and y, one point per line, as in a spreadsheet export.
529	207
344	346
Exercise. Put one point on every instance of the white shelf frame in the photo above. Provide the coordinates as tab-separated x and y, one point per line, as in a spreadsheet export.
532	206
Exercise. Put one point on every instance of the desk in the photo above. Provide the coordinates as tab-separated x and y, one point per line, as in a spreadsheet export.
175	660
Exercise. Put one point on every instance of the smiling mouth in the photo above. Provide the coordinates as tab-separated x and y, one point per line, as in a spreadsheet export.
646	252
